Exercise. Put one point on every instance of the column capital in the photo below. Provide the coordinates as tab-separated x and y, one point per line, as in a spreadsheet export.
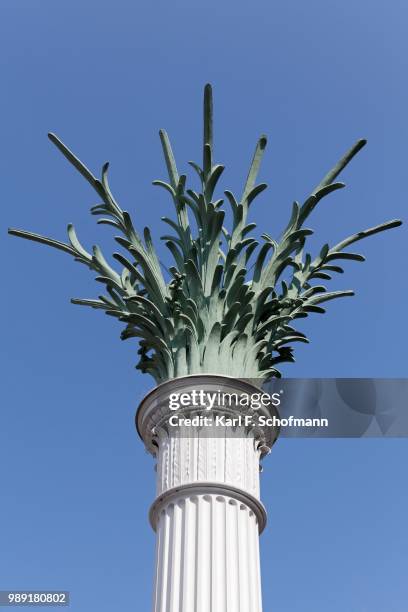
153	414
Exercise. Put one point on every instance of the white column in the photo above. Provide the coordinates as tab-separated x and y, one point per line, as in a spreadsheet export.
207	556
207	514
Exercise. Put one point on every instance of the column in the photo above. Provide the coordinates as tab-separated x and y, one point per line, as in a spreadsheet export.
207	514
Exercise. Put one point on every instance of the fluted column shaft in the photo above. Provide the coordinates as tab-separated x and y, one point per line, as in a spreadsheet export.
207	555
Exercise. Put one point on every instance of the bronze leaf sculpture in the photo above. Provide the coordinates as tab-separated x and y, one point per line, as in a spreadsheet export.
225	309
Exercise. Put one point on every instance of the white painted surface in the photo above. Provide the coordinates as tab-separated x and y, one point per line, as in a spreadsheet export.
189	456
207	556
207	514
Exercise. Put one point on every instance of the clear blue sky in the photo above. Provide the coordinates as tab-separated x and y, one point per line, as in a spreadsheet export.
76	483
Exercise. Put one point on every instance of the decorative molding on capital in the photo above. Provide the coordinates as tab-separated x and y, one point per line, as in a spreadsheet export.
153	413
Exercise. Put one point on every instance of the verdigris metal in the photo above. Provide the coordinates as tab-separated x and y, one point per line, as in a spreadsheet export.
219	312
